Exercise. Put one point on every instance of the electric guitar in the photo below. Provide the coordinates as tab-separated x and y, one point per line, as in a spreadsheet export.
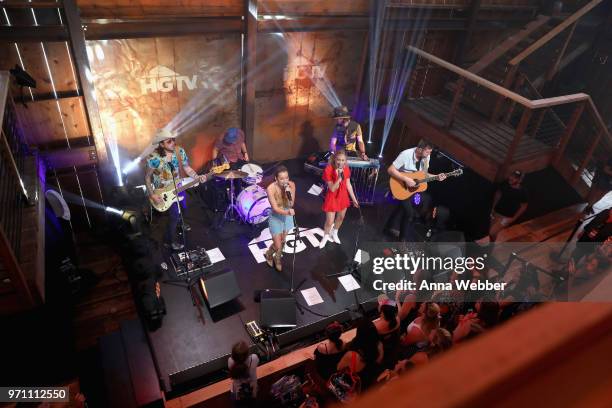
168	194
401	192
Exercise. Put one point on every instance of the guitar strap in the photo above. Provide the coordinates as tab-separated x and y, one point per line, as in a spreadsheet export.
181	171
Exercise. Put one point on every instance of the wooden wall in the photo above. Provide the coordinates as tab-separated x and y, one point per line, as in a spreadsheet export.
292	117
143	85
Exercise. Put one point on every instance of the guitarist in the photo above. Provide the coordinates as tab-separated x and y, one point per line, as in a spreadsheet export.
410	160
167	160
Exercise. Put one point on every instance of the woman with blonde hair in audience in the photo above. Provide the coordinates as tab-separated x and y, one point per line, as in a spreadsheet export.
417	333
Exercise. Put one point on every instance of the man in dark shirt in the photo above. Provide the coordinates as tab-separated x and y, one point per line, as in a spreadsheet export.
509	203
597	230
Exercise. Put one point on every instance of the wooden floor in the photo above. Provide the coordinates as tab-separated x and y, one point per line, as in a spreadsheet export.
490	139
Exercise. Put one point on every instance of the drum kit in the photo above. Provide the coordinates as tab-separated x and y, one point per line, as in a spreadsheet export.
251	206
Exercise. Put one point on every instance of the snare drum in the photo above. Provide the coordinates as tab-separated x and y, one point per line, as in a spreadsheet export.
253	205
255	174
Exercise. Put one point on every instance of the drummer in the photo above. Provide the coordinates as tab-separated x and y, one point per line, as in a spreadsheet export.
232	148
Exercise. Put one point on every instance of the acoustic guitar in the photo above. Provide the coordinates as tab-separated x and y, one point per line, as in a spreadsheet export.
401	192
168	194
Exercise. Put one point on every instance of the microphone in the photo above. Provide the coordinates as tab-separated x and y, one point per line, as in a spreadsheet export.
288	192
341	173
171	166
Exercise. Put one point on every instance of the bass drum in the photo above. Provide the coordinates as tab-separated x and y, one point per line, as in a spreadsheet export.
253	205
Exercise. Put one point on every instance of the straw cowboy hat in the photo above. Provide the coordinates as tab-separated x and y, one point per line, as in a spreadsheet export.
162	135
341	112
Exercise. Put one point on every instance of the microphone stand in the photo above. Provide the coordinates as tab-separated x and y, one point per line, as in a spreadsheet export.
189	281
296	238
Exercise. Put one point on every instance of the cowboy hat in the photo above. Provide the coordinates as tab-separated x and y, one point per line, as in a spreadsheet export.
163	134
341	112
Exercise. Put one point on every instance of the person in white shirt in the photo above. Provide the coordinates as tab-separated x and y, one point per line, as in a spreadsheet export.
411	160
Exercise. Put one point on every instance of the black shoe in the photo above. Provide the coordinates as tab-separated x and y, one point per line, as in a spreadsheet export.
186	227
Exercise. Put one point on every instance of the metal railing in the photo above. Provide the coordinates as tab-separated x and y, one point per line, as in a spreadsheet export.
13	194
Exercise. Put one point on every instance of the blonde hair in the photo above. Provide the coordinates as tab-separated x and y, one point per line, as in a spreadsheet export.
332	159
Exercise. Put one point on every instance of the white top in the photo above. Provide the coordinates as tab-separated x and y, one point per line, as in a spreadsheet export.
407	161
243	388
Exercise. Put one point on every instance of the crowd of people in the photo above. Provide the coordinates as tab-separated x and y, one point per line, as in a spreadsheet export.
405	334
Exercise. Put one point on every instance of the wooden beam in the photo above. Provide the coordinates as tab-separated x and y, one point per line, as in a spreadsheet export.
455	103
33	34
554	32
587	158
508	44
169	28
313	24
47	97
520	131
81	62
555	67
499	103
249	64
569	130
466	36
38	4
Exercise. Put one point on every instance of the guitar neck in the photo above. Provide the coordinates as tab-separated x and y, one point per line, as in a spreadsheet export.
192	183
434	178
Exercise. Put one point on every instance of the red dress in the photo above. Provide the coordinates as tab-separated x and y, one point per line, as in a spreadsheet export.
336	200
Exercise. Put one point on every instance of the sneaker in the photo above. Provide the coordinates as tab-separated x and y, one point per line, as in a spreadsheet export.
324	241
335	236
186	227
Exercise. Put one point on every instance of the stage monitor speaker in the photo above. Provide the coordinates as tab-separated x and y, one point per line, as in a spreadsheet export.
277	309
220	288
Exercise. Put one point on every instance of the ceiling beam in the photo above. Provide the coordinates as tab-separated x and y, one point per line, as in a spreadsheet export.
33	34
39	4
313	24
171	28
81	63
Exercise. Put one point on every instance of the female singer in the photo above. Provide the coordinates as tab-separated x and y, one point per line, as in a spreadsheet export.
339	188
281	194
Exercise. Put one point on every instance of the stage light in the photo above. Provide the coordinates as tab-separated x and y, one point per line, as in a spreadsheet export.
114	211
416	199
132	165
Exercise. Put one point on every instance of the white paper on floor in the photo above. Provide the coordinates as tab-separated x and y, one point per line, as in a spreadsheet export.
349	282
312	296
361	257
215	255
315	190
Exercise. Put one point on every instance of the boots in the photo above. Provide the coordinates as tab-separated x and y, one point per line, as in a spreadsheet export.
270	256
334	235
278	264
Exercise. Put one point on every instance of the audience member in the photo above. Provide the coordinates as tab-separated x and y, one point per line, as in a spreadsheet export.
388	328
367	353
328	353
243	372
418	331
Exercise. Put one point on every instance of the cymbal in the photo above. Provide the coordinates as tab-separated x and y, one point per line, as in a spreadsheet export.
232	174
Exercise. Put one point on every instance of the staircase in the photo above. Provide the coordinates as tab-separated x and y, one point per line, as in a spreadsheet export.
494	118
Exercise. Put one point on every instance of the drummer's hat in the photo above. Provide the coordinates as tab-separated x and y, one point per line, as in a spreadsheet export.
341	112
163	134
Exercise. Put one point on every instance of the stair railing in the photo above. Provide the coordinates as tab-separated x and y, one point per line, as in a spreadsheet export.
580	102
514	63
13	194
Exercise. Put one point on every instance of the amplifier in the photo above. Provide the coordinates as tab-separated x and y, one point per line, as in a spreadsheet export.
190	262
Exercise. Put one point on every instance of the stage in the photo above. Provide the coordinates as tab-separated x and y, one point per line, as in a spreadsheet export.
192	346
